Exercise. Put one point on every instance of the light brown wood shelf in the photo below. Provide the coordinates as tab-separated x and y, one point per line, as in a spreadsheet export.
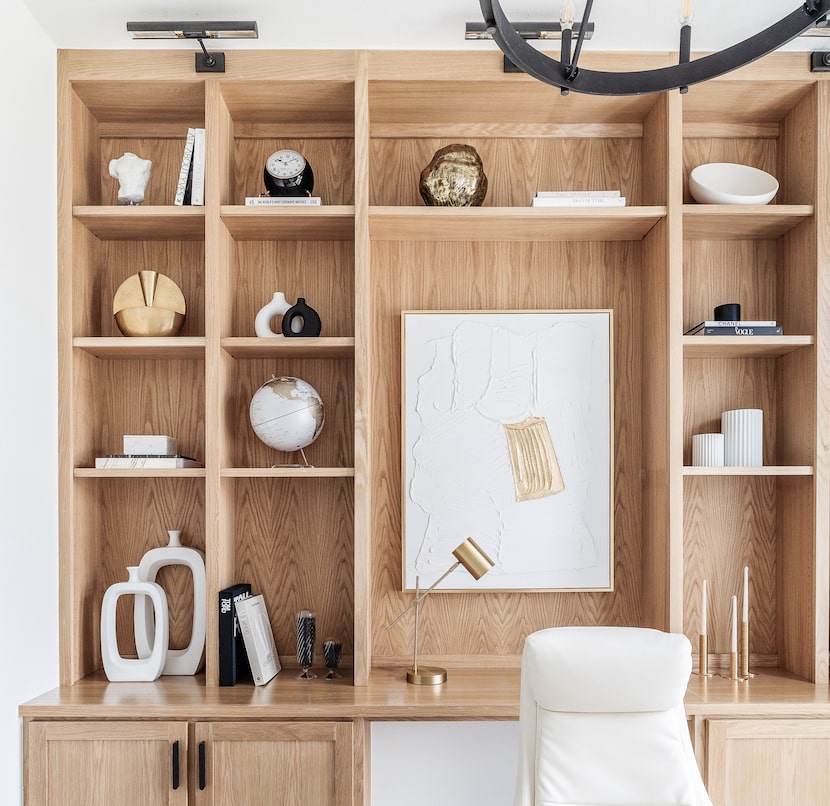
324	223
140	473
143	223
743	346
468	694
739	222
292	347
766	470
511	223
287	472
138	347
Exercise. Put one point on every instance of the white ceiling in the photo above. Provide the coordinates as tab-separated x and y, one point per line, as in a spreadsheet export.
632	25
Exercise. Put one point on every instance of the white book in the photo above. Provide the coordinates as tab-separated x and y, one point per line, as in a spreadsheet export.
258	638
184	171
283	201
578	201
569	194
197	191
139	462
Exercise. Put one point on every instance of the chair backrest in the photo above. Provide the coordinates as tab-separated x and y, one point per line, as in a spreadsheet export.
602	720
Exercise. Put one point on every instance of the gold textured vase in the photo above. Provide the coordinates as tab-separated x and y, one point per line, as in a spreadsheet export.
149	304
454	178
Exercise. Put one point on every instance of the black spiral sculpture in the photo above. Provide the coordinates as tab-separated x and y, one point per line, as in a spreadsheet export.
306	636
332	653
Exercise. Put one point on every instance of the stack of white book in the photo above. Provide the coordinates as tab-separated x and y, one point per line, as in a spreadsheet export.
146	451
578	198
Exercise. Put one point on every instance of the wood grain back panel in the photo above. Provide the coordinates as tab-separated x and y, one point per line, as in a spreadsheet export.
488	276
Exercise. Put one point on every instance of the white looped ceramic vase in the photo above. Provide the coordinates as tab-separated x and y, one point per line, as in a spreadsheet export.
179	661
148	666
276	307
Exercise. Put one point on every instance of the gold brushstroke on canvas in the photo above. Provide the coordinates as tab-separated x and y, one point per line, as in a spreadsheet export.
536	472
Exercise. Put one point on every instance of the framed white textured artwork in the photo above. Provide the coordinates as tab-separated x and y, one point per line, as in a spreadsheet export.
507	437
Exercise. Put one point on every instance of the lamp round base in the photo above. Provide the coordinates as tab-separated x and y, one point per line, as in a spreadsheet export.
426	676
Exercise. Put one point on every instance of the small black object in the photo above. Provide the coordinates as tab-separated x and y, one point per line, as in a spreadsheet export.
311	320
332	653
209	62
176	764
820	61
306	637
728	312
202	781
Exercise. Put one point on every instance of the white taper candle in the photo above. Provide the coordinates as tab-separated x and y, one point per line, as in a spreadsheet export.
734	623
703	611
745	613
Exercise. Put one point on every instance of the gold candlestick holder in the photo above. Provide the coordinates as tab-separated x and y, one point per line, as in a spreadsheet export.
703	656
745	674
733	666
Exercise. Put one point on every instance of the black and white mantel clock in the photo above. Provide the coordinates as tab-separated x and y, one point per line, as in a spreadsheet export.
287	173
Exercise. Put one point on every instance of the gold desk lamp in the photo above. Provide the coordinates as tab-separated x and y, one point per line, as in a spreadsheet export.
477	564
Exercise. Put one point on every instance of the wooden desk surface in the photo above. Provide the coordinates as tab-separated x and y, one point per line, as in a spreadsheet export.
468	695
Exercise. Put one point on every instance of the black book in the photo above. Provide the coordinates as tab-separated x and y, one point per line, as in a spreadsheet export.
233	660
776	330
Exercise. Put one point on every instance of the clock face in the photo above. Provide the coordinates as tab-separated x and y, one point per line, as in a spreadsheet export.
285	164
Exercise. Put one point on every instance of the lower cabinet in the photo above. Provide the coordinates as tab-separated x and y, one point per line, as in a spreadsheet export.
82	763
128	763
263	763
767	762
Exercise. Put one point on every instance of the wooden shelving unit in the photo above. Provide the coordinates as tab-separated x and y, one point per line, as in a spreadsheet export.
329	538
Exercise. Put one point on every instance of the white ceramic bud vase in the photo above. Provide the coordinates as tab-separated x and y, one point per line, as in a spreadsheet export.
276	307
189	659
147	667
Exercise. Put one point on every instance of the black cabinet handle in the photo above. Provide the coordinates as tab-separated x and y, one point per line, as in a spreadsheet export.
176	764
201	765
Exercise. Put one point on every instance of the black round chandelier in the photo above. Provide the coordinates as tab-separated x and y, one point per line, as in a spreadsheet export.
567	75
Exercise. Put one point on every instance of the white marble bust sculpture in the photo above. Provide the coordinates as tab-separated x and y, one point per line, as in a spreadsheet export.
133	174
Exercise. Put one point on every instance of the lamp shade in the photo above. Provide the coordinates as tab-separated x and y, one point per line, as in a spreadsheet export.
473	558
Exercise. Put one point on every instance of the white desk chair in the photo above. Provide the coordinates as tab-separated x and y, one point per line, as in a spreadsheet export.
602	720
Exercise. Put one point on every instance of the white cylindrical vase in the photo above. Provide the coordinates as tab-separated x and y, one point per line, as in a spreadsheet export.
146	667
707	450
743	437
178	661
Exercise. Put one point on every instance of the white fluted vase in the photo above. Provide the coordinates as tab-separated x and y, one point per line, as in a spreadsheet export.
707	450
743	437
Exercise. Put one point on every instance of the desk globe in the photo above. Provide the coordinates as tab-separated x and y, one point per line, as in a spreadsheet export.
287	414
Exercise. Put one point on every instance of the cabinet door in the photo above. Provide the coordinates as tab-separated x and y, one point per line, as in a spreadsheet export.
263	763
767	762
128	763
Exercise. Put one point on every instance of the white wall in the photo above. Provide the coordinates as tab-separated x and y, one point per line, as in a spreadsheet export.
411	763
28	374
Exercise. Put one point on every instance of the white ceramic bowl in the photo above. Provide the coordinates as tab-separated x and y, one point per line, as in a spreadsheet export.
731	183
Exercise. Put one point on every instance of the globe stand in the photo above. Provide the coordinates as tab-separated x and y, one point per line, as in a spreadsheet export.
303	466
